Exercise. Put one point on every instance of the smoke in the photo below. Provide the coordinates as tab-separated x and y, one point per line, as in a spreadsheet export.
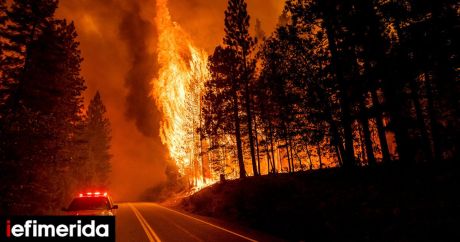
140	107
118	43
203	20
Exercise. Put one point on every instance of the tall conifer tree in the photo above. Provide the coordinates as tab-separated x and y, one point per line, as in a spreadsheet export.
98	135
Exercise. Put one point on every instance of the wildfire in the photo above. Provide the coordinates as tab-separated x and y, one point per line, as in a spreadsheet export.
177	91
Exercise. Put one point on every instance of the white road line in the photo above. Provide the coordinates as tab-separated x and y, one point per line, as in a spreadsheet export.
210	224
153	237
183	230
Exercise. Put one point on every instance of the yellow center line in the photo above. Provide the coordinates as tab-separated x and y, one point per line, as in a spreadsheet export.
210	224
153	237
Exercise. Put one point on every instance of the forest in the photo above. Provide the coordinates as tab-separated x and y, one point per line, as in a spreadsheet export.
350	112
337	84
50	144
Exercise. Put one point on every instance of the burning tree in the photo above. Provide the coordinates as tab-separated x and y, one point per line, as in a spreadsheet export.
177	90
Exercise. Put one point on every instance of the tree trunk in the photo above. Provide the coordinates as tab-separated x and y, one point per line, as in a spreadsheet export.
426	148
247	96
289	149
318	150
433	123
203	170
389	69
377	108
335	137
309	156
367	134
380	127
298	158
267	153
292	155
257	145
348	156
238	134
288	156
394	97
249	123
339	155
363	155
280	161
272	148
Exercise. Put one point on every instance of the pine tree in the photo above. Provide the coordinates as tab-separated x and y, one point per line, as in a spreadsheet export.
26	21
3	9
237	39
3	18
221	109
98	136
41	109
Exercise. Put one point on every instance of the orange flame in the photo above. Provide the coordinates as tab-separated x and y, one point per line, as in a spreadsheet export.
177	91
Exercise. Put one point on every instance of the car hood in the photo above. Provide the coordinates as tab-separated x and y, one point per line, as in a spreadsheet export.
91	213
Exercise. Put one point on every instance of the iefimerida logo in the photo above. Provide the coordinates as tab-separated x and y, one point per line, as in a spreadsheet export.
58	228
33	229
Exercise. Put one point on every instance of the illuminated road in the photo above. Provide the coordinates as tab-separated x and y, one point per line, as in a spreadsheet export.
138	222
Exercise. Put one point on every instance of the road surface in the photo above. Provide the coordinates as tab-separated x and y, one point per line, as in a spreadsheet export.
139	222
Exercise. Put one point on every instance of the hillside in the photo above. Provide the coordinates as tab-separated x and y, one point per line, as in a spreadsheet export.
386	203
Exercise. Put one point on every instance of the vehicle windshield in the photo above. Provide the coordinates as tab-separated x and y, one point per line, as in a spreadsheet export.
89	203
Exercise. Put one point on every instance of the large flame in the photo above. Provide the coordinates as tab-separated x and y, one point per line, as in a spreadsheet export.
177	91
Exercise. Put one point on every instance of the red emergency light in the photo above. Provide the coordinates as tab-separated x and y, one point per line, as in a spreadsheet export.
93	194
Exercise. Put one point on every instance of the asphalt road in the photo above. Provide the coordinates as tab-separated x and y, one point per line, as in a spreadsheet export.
139	222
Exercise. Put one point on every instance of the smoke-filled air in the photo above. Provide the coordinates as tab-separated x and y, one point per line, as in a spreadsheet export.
148	59
230	120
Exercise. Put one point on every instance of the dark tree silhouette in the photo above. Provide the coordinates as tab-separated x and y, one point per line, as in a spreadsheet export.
222	112
348	83
98	136
238	40
354	82
41	108
3	18
26	21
